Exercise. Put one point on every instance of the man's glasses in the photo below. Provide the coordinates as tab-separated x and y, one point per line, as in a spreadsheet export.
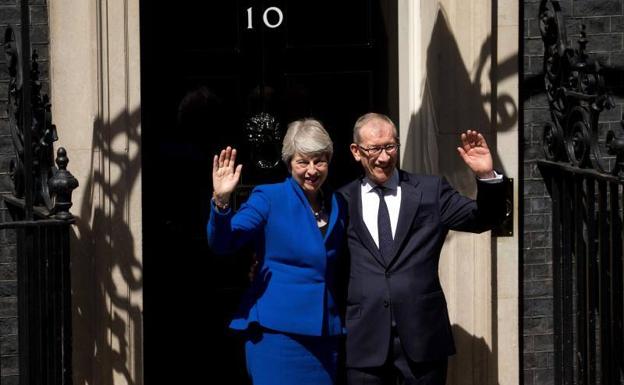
376	150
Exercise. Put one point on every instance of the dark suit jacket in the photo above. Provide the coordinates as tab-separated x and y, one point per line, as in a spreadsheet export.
408	289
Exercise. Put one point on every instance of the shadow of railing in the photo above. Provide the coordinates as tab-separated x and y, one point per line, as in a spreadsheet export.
107	274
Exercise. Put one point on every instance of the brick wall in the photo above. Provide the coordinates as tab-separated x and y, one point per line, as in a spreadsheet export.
10	14
604	22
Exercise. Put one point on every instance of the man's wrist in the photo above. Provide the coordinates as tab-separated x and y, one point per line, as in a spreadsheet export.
487	175
495	178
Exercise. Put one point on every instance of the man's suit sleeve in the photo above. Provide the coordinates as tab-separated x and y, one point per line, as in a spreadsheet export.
464	214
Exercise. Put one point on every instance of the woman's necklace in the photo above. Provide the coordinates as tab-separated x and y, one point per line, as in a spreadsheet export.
320	215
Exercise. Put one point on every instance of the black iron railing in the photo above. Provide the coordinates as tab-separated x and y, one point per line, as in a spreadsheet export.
584	176
587	274
39	210
44	298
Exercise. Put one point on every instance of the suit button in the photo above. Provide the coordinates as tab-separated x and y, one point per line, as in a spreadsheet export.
388	274
386	303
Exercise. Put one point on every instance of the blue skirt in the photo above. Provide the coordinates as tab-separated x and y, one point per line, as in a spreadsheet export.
280	358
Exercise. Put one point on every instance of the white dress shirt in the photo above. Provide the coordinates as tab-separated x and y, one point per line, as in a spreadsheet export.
370	204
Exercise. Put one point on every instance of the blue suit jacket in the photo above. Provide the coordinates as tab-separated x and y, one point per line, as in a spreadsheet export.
294	287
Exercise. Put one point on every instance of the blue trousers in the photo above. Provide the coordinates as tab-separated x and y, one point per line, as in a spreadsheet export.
289	359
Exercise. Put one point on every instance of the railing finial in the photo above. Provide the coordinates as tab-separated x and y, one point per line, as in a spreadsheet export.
61	186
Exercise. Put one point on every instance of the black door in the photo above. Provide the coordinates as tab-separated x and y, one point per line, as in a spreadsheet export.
217	73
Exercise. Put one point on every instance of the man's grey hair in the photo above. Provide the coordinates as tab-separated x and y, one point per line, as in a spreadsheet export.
366	118
306	137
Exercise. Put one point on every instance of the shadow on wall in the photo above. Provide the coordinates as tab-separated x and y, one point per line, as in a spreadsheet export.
105	269
453	102
480	355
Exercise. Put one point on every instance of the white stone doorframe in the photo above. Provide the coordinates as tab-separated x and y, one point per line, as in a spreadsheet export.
95	96
479	273
95	84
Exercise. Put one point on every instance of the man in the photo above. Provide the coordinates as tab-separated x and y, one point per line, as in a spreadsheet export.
398	330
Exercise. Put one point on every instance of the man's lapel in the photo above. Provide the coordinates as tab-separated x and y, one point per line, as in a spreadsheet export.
410	201
357	221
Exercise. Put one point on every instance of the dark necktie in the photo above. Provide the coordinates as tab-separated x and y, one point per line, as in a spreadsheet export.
383	226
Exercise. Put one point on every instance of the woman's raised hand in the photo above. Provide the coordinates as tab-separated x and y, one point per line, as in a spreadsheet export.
225	174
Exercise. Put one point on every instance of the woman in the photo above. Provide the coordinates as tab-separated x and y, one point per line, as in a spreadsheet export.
289	313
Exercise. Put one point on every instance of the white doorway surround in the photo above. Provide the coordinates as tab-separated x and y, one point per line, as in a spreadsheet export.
458	70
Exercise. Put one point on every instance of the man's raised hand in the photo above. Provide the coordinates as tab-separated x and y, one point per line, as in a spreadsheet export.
476	154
